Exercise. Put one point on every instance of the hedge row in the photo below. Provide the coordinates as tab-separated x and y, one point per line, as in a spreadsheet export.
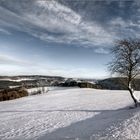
10	94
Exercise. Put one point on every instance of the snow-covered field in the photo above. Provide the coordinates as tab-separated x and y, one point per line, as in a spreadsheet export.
72	114
16	80
47	88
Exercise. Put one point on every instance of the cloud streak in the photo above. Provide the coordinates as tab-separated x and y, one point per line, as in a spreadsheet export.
9	60
58	22
53	22
4	31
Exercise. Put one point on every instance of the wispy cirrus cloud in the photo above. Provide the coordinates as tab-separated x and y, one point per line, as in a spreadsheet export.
10	60
92	24
53	22
65	22
101	51
4	31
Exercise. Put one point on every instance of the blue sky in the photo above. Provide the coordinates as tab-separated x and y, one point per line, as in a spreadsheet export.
68	38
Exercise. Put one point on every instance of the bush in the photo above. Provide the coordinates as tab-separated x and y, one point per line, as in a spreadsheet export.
10	94
88	85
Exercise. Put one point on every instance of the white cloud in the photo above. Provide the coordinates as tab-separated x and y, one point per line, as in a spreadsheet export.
4	31
125	28
101	51
119	22
10	60
61	11
124	23
50	21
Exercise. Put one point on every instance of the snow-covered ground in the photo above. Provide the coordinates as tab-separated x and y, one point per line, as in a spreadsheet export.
48	88
16	80
72	114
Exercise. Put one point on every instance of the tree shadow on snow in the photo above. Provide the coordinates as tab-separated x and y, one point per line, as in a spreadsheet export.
58	110
84	129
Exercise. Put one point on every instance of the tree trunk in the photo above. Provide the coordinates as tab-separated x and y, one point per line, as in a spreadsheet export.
134	99
131	90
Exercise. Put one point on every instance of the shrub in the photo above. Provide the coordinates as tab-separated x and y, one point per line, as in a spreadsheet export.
10	94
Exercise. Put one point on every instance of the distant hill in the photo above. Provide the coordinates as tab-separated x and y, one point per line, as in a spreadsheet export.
117	84
29	81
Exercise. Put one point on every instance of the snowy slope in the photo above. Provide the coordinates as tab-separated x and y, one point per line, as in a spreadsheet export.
81	114
48	88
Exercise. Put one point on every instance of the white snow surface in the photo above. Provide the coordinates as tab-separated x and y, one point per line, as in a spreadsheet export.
72	114
16	80
47	88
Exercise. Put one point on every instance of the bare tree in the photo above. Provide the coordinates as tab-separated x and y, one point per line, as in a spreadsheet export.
126	63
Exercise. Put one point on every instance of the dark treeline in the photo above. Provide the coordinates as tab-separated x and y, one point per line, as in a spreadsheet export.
117	84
